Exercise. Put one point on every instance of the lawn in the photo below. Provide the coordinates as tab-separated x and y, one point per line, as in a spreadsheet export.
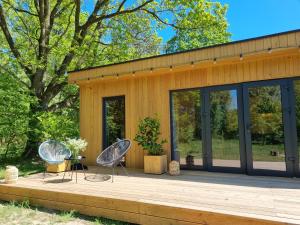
22	214
229	149
26	167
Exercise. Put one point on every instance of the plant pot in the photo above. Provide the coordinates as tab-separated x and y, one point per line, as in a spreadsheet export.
155	164
189	161
58	168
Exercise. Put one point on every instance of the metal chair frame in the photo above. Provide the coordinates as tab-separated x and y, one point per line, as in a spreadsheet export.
115	161
53	162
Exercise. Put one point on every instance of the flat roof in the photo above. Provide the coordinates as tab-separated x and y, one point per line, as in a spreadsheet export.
229	49
189	50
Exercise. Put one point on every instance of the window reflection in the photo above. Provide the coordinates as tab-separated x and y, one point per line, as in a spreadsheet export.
187	138
224	128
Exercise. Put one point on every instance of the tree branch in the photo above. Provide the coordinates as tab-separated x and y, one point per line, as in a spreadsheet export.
20	10
26	32
118	13
77	15
81	33
14	75
159	19
11	43
65	31
121	5
67	102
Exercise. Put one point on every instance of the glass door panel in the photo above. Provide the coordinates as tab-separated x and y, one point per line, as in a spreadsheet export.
113	120
266	128
297	111
224	126
186	124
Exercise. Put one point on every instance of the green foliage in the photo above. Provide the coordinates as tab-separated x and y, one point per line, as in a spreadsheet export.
115	119
14	108
186	113
76	146
148	136
266	115
200	23
224	119
23	213
59	126
25	167
66	216
41	54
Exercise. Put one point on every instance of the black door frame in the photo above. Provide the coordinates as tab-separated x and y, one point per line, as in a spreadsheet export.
208	141
285	108
293	128
104	112
289	126
172	133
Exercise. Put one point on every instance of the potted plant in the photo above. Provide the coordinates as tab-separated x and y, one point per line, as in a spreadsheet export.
76	146
147	137
189	160
191	151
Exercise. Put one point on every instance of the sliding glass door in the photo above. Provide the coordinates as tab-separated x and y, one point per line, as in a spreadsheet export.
267	127
251	127
113	119
187	128
296	117
224	130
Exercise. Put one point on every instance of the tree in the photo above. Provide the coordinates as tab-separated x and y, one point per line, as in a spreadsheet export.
202	23
13	116
43	39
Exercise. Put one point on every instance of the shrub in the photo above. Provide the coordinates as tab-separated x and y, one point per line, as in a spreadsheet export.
148	136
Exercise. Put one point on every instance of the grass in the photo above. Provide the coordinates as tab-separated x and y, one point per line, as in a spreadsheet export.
229	149
23	214
26	167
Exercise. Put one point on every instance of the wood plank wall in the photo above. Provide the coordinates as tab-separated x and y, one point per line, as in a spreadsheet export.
148	94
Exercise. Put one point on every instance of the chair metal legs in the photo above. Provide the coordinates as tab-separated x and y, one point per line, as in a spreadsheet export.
113	168
113	172
65	170
124	169
45	168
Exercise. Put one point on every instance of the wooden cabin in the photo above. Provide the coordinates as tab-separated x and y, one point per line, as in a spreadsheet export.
232	107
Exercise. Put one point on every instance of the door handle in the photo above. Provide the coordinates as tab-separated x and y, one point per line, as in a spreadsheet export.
291	158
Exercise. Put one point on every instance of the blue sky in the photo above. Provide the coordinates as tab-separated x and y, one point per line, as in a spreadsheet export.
253	18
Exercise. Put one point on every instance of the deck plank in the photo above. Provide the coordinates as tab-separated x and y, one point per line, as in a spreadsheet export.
192	198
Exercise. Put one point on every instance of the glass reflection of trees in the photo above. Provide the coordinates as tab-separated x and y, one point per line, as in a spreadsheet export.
115	119
297	105
187	124
266	123
224	128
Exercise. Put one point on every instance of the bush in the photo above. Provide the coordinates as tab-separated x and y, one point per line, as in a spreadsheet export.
14	107
148	136
59	126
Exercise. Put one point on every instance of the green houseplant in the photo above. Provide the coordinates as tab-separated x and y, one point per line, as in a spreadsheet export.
148	137
76	146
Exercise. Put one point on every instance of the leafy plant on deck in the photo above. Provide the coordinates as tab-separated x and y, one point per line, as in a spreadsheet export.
148	136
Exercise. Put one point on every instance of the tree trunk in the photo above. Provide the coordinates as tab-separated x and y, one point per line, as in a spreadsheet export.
34	133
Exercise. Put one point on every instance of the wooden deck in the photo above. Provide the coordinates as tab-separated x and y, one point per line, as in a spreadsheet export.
192	198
